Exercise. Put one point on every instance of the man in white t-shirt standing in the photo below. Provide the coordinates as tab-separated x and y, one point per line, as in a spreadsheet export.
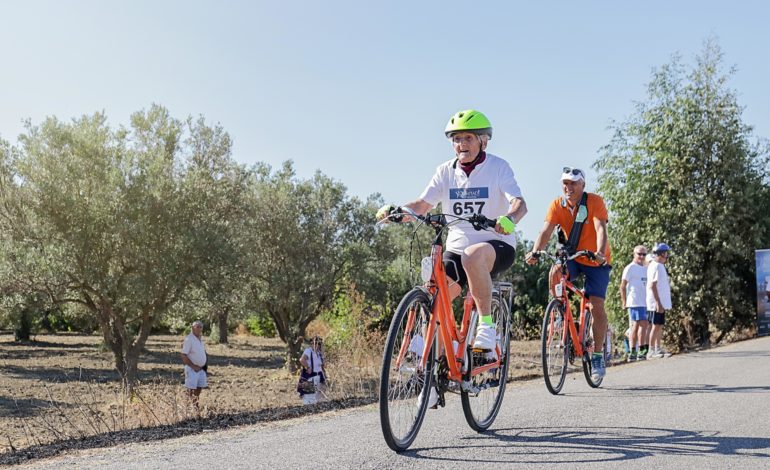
632	295
194	358
658	298
473	182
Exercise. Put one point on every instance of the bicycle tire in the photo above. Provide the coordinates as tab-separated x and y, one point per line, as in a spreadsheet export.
554	347
481	410
588	348
401	390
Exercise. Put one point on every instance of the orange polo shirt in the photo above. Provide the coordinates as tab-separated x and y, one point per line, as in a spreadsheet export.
562	215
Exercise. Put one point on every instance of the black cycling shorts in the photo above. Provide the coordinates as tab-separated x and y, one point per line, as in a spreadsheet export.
505	254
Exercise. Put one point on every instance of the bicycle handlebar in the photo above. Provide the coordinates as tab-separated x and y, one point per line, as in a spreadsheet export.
478	221
561	255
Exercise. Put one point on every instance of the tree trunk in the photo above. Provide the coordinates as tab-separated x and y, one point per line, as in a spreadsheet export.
22	333
293	353
222	322
125	351
131	371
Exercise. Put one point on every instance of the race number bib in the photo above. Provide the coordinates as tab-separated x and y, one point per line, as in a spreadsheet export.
468	201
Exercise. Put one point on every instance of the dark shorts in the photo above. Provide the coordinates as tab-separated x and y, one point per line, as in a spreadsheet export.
597	277
656	318
505	254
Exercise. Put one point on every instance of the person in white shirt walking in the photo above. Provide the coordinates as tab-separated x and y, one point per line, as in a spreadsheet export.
194	358
658	298
632	295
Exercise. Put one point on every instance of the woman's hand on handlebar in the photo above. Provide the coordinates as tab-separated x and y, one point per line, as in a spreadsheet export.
390	213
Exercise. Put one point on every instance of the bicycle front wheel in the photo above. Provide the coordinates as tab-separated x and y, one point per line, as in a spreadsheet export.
554	347
482	394
589	345
404	384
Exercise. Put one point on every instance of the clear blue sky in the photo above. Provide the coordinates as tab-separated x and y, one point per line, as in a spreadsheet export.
362	90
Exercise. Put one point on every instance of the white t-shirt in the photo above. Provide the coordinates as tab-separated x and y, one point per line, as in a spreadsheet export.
657	272
636	276
317	361
489	190
194	349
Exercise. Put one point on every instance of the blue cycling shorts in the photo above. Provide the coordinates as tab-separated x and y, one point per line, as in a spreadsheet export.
597	277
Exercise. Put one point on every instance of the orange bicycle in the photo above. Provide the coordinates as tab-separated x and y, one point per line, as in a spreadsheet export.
425	345
562	338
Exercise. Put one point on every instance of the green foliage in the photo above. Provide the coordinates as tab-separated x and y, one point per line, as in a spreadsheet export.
530	285
119	221
299	237
387	262
682	170
260	325
349	321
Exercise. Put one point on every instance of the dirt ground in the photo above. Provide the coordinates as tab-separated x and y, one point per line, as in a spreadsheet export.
65	387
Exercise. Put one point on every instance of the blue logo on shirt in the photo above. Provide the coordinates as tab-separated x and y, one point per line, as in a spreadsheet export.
468	193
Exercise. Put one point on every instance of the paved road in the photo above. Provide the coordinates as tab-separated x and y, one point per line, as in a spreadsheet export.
701	410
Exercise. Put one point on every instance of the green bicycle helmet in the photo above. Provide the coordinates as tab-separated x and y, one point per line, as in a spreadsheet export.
469	120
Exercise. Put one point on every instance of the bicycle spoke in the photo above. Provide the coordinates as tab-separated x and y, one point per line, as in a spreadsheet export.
489	386
405	377
555	346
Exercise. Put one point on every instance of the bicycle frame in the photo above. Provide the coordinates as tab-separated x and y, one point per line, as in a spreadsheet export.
564	287
442	319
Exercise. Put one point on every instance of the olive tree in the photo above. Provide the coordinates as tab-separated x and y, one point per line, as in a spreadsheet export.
683	170
300	232
105	218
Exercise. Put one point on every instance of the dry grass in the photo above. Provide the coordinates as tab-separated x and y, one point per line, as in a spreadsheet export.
60	391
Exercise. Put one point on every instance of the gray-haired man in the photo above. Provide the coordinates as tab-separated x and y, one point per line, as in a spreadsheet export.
194	358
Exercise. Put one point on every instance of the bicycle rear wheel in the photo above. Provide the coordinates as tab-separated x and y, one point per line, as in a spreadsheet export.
481	410
555	346
404	385
589	345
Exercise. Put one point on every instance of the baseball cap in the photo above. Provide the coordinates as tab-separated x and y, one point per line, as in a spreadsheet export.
572	174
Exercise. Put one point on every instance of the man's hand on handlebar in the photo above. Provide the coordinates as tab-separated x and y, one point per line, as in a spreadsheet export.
532	258
600	258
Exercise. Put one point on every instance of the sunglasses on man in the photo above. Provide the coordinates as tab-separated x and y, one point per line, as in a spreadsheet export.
640	254
572	171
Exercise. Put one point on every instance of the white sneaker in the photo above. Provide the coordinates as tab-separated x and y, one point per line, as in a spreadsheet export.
486	337
654	354
432	398
664	353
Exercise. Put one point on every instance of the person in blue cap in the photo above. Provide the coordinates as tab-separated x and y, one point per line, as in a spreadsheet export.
658	298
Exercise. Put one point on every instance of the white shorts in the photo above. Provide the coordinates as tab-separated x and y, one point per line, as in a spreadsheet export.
312	398
193	380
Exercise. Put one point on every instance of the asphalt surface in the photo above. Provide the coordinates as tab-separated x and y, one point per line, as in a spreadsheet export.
708	409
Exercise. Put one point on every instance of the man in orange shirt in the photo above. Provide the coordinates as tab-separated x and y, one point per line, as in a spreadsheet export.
564	211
